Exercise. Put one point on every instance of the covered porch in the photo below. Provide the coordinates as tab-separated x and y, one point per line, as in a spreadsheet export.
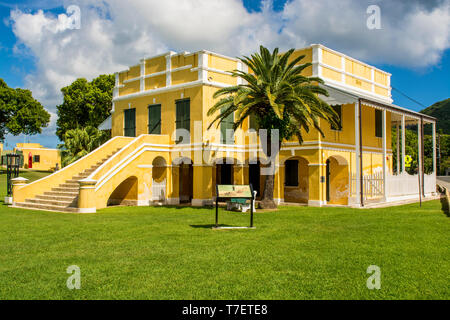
397	174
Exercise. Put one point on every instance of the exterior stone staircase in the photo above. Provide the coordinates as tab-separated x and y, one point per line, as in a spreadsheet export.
64	197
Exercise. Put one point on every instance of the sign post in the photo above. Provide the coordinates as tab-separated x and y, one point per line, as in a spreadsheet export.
12	171
234	192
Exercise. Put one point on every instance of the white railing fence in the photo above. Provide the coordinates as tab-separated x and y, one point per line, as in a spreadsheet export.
372	185
430	183
402	185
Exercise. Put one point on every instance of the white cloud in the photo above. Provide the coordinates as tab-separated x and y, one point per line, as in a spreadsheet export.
115	34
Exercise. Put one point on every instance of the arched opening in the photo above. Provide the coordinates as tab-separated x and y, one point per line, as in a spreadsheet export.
125	194
185	179
225	171
296	180
337	180
159	179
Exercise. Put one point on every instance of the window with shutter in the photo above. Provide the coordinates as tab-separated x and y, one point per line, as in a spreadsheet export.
154	119
338	110
378	123
130	123
227	124
183	117
253	124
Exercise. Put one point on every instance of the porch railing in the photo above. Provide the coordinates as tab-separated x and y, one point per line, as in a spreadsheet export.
372	185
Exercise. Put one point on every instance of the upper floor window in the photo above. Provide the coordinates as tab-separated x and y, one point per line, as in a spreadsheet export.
226	129
154	119
338	110
130	123
183	117
378	123
253	123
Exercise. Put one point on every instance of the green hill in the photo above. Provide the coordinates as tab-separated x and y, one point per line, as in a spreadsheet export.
441	111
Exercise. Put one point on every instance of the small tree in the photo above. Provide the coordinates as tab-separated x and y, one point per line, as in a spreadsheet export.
85	104
20	112
80	142
279	97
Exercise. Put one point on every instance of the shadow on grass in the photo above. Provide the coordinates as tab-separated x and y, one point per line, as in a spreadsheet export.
445	200
445	205
188	206
207	226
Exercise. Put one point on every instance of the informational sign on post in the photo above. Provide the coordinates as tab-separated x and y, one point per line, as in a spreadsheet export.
234	192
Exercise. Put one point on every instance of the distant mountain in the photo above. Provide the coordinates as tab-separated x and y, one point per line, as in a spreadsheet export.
441	111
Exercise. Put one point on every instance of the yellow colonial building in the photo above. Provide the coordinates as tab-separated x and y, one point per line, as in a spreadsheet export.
163	152
37	157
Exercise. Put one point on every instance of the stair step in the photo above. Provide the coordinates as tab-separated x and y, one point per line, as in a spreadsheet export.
69	185
46	207
80	177
61	194
66	189
73	182
57	197
71	203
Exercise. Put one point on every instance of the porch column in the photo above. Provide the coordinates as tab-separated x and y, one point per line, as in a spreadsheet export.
384	155
398	148
434	150
419	154
403	143
357	157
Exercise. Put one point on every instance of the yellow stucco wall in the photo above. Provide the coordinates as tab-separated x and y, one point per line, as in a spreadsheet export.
355	74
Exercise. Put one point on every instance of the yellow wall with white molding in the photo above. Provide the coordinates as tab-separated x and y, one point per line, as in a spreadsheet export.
128	176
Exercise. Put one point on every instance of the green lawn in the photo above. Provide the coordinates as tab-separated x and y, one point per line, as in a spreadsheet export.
171	253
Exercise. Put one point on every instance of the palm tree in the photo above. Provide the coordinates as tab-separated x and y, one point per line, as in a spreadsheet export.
79	142
279	97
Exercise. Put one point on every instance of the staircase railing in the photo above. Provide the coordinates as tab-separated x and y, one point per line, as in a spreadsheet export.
47	183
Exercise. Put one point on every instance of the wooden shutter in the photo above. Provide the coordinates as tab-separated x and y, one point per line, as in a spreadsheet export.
378	123
183	115
227	124
130	123
338	110
154	119
253	124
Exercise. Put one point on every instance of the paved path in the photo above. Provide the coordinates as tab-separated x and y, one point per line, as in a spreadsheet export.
444	181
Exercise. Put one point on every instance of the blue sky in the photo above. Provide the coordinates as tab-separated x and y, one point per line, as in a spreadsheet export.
22	60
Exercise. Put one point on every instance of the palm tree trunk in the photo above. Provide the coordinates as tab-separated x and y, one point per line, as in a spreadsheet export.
267	199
